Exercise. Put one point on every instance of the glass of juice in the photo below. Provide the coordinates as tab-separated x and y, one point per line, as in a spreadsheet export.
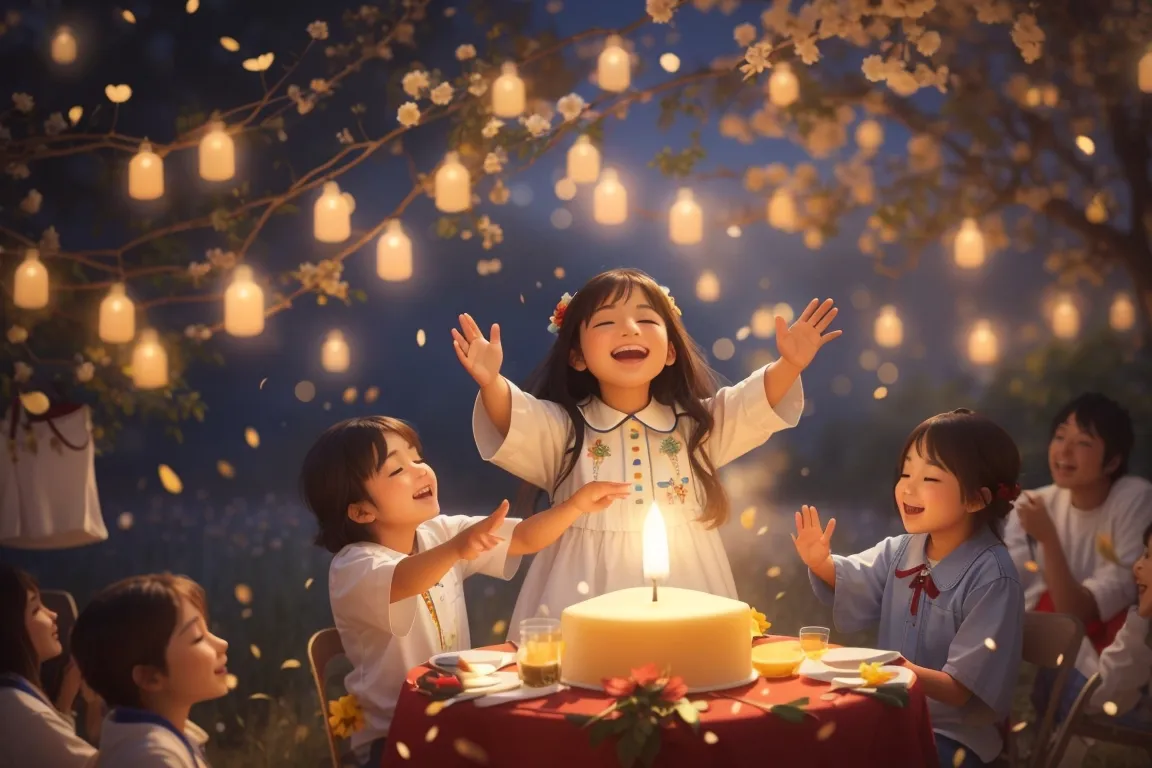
814	641
540	651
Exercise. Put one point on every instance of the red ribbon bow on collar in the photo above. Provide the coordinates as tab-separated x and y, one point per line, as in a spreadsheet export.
921	582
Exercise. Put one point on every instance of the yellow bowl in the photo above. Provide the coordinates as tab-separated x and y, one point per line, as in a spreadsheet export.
780	659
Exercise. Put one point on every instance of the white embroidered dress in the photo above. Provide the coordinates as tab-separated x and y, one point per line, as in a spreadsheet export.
603	552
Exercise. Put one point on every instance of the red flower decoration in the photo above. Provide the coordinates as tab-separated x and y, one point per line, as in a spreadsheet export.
618	687
674	689
646	675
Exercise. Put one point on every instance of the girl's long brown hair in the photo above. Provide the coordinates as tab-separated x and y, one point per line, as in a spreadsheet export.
17	654
682	386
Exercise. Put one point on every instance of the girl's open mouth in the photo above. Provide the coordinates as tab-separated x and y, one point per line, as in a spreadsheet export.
911	510
630	353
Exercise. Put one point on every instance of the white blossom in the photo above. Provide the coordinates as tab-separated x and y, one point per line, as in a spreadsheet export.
491	128
492	233
570	106
493	163
21	372
537	124
756	59
55	124
31	202
807	51
1028	37
408	114
929	43
17	334
24	102
745	35
197	269
345	136
477	85
415	82
318	30
441	94
466	52
499	194
85	371
661	10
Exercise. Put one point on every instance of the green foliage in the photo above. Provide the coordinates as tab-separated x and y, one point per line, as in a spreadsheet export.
679	164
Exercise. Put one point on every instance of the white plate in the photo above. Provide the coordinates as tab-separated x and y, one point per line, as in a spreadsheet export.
852	658
815	670
496	659
904	676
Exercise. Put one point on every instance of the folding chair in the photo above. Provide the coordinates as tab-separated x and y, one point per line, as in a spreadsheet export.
1099	727
323	648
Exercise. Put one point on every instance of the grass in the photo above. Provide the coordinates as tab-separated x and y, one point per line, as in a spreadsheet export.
265	548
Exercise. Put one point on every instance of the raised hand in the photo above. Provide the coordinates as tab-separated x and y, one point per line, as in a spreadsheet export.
598	496
800	343
480	537
812	544
1034	518
481	357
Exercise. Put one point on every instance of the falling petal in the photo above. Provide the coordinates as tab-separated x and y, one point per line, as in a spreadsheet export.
779	595
192	6
748	518
169	479
252	437
260	697
124	521
350	395
958	757
402	750
129	17
989	643
764	691
255	649
260	63
231	681
118	94
825	731
434	708
308	582
1020	726
262	382
433	732
421	337
583	588
1032	566
499	627
225	469
1059	659
1110	708
710	737
1105	548
290	664
36	403
829	696
763	530
229	44
243	594
736	707
700	705
75	114
773	572
470	751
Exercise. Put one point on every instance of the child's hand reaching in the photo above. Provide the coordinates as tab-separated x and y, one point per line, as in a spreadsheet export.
598	496
481	357
812	544
479	537
800	343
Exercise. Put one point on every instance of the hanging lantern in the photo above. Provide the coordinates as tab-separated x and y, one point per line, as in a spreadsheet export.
888	328
584	161
869	135
243	304
708	286
983	347
508	98
1144	72
782	211
146	174
394	254
334	353
614	68
686	220
783	87
149	362
669	62
1065	318
332	214
217	154
969	245
63	46
453	186
1122	313
117	316
610	199
31	285
1097	211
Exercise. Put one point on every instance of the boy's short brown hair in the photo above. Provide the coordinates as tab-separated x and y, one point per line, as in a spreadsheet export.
129	624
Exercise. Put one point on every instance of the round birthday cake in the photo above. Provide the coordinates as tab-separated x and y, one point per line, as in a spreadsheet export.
699	637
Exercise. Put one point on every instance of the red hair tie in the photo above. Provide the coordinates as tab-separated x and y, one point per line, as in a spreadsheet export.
1007	492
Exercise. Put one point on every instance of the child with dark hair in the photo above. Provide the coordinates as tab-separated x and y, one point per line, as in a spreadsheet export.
945	594
143	644
1069	538
626	394
396	581
33	730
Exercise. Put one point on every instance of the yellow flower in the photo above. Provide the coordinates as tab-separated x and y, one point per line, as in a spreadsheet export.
760	623
345	716
875	676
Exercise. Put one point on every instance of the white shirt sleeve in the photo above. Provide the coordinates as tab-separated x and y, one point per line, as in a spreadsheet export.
32	734
744	420
537	440
495	562
1111	584
1125	666
359	585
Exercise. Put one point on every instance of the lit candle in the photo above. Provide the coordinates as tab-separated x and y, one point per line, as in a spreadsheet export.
64	46
508	96
217	154
1065	318
655	553
1122	313
983	348
686	221
969	245
614	68
149	362
334	355
332	215
394	254
783	87
117	316
610	199
243	304
31	286
453	185
146	174
584	161
889	328
782	211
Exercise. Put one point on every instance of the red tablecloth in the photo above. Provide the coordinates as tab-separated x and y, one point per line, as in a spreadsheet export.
535	732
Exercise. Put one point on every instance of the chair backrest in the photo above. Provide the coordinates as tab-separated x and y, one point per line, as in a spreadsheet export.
1097	727
323	647
64	606
1051	641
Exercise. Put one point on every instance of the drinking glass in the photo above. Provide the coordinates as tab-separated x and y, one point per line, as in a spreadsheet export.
538	657
814	641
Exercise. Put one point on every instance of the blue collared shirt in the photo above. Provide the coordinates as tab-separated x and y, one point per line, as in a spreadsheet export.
968	623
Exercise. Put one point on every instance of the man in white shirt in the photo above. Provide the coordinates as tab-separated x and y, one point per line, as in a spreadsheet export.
1074	541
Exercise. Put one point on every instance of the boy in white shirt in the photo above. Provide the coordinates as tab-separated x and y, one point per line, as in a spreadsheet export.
396	581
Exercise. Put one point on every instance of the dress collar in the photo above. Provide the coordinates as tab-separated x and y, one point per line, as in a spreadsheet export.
604	418
947	573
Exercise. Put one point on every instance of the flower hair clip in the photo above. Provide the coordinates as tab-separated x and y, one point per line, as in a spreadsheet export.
556	321
671	300
1007	492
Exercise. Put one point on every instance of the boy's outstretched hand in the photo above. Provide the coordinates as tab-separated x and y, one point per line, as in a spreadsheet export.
480	537
812	544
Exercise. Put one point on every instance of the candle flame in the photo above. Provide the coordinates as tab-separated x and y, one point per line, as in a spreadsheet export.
655	545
